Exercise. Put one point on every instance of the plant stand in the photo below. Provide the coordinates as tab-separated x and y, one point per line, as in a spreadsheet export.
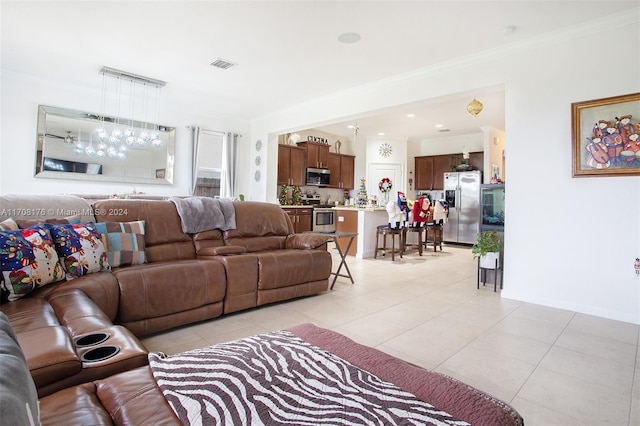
484	265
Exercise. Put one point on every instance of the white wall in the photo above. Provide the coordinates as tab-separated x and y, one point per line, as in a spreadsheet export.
494	145
453	144
21	95
569	243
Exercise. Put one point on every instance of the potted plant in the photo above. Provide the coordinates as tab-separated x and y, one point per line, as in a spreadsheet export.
487	248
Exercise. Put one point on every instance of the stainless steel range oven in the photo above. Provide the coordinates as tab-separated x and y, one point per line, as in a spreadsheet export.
324	220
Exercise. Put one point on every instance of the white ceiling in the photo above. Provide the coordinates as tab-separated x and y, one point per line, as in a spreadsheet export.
287	51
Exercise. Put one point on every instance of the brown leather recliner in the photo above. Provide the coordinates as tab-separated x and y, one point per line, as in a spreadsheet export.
48	329
265	261
132	397
174	287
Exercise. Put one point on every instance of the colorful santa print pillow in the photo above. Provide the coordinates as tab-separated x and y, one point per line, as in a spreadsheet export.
29	260
80	249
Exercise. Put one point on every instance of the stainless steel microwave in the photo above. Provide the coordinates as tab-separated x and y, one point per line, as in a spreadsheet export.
318	177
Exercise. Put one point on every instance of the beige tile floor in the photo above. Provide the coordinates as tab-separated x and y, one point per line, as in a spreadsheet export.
555	367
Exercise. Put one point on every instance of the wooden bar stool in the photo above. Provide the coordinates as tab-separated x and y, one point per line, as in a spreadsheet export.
413	230
384	230
434	235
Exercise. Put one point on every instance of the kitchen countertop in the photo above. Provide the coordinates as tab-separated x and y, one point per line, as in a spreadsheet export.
339	207
360	209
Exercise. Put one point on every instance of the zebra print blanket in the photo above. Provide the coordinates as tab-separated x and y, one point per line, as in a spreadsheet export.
278	378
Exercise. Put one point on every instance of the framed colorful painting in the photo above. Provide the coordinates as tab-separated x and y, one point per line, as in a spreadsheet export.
606	136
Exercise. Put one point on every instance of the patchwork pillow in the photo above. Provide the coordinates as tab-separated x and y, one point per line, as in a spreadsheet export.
80	249
123	241
29	260
8	225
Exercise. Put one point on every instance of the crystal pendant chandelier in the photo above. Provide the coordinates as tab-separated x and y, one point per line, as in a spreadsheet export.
115	136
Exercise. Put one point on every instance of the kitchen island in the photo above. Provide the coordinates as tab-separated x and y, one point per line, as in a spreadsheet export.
364	222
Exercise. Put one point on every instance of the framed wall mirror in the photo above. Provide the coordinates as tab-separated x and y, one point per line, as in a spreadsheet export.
83	146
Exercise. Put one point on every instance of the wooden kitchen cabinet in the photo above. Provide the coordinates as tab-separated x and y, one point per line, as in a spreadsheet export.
300	217
317	154
347	221
430	169
291	165
342	168
441	165
424	172
476	159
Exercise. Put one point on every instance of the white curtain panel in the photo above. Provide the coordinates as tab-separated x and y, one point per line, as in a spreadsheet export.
194	135
229	165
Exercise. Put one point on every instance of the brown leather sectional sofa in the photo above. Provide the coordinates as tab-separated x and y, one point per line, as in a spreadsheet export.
186	278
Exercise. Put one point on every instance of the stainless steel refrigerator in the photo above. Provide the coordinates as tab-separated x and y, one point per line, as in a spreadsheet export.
462	193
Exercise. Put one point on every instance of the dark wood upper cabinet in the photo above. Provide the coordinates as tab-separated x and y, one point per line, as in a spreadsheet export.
430	169
476	159
441	165
291	165
342	168
347	169
317	154
424	172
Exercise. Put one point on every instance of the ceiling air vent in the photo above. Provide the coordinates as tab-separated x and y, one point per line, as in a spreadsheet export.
444	130
222	64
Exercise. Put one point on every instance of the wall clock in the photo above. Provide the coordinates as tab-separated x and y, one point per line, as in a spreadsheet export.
385	150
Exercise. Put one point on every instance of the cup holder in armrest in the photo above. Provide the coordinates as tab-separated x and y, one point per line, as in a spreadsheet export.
100	353
91	339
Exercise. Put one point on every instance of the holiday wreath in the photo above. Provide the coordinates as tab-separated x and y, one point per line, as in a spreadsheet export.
385	185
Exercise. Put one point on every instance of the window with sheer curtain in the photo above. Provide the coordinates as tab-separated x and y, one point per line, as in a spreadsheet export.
210	162
214	162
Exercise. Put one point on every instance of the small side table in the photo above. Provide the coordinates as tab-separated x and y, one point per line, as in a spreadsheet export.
343	254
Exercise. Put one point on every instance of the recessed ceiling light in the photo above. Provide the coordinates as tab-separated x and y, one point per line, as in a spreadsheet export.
437	126
411	115
350	126
381	134
349	38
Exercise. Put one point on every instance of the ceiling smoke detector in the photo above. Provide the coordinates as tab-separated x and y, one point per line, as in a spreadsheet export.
507	31
349	38
222	64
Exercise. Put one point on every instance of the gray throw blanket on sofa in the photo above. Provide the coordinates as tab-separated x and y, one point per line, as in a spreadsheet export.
200	214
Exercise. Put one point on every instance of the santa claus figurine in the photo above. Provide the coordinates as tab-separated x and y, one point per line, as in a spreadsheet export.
395	215
421	211
404	205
